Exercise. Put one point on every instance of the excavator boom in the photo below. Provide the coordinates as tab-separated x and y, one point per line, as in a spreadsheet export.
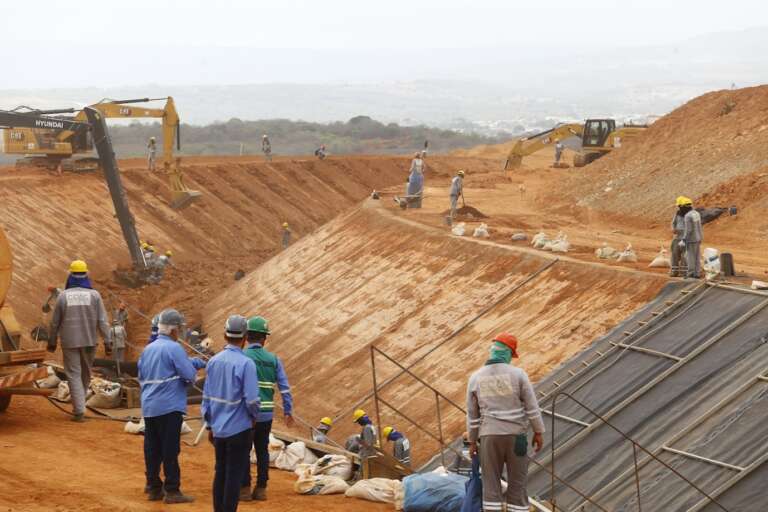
533	143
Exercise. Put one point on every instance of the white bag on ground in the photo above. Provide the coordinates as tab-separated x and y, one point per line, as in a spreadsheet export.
517	237
539	240
481	231
275	448
51	381
319	484
459	229
606	253
293	455
382	490
62	393
627	255
333	465
560	244
134	428
106	394
661	260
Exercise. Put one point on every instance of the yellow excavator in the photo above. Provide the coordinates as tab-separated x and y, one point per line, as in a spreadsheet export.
598	137
51	147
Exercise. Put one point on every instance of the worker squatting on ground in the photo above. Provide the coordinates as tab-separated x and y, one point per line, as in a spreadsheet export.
500	405
691	238
164	372
457	189
151	153
230	407
320	432
271	374
266	148
677	253
558	150
415	188
286	241
401	447
78	316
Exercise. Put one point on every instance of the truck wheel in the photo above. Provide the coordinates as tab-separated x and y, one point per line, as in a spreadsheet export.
5	401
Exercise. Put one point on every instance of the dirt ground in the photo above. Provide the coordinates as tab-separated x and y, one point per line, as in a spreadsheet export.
51	464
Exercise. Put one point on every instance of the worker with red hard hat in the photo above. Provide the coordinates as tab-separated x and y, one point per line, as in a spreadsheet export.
501	406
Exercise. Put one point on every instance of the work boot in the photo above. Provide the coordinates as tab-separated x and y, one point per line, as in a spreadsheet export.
155	494
78	418
260	494
245	494
177	497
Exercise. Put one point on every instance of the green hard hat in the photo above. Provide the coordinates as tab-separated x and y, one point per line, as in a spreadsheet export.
258	324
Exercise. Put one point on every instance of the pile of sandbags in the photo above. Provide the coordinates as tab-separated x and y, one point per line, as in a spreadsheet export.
326	476
105	394
481	231
332	465
293	455
539	240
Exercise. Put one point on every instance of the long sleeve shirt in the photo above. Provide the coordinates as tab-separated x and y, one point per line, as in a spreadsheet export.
118	335
692	223
678	226
231	393
77	319
501	401
369	440
164	372
456	186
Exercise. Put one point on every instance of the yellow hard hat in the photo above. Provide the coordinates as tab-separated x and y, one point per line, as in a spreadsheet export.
326	421
285	224
683	201
151	138
358	414
460	173
78	267
387	431
144	245
168	253
151	248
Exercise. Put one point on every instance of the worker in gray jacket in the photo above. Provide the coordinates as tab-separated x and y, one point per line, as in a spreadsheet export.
78	316
457	189
501	404
369	438
401	448
691	239
119	337
677	253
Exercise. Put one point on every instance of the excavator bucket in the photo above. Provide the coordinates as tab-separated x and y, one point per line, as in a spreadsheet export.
182	198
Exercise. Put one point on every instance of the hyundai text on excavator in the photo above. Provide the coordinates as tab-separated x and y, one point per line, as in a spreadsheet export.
598	137
51	147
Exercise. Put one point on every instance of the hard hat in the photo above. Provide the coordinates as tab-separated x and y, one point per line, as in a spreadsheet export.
236	326
509	340
264	136
387	431
171	317
151	248
78	267
359	413
258	324
155	322
460	173
151	138
326	421
285	224
168	253
683	201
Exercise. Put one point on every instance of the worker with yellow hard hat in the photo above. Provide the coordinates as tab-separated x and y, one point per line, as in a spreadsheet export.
78	318
688	234
320	432
369	438
286	235
677	266
401	448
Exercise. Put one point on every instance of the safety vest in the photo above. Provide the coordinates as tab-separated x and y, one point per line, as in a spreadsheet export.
266	369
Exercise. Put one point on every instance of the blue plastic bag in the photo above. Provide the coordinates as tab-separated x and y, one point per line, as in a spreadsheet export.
473	497
431	492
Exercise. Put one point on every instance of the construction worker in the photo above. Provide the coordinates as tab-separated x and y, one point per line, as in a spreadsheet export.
457	189
501	404
118	336
676	251
415	182
286	235
121	314
462	465
320	432
164	373
691	239
402	447
425	150
149	255
266	148
165	259
78	315
151	153
230	407
271	374
369	438
558	150
320	152
153	329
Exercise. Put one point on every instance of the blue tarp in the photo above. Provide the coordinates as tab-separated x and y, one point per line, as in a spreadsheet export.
432	492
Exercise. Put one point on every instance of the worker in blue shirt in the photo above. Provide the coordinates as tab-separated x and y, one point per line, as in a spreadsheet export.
271	374
230	407
164	372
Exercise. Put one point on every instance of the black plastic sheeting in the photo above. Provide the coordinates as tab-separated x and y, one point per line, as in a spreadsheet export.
721	335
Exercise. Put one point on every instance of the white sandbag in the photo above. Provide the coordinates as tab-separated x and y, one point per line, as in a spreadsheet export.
294	454
627	255
62	393
711	263
51	381
333	465
134	428
481	231
539	240
106	394
518	237
759	285
207	344
319	484
606	253
661	260
561	244
275	448
382	490
458	229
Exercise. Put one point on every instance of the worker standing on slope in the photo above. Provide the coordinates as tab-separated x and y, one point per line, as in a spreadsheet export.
320	432
677	252
164	372
230	407
369	438
286	235
78	315
500	405
457	189
558	150
271	374
691	240
151	153
402	447
266	148
415	182
121	314
118	336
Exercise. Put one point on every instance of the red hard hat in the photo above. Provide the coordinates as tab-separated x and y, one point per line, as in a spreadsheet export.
508	340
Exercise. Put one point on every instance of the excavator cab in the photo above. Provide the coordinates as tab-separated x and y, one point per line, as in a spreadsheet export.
596	132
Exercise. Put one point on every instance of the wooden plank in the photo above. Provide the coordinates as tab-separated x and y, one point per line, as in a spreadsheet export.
26	356
28	391
23	377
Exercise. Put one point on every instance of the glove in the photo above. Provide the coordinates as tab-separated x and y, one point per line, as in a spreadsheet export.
197	363
51	347
681	244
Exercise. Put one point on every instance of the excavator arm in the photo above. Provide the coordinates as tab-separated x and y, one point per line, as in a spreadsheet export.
529	145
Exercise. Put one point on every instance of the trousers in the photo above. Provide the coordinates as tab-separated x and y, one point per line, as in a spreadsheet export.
232	460
77	366
261	431
495	453
693	259
162	444
678	268
454	205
